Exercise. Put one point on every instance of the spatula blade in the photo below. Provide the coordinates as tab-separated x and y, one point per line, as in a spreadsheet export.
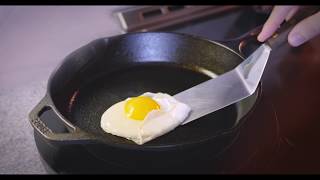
227	88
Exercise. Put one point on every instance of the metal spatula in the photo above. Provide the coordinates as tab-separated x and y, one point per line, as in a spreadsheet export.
236	84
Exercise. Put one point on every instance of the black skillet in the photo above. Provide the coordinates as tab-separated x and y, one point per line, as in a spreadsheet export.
109	70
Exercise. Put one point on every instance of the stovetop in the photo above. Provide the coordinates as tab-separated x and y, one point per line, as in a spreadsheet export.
280	135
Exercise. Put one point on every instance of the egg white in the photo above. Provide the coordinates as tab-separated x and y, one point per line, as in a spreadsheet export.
158	122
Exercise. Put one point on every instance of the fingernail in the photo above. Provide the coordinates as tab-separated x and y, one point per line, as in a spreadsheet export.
260	38
296	39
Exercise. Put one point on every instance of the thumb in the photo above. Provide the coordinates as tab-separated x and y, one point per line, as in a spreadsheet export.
305	30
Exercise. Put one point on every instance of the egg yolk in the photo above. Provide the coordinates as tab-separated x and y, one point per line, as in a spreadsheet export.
137	108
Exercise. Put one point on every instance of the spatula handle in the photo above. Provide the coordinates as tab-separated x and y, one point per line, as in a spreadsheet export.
281	35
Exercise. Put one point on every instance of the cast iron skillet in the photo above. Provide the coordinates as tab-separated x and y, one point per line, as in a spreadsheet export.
109	70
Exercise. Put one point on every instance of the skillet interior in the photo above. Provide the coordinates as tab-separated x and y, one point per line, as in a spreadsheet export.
107	71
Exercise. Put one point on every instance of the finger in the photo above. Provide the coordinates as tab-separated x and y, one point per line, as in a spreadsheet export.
305	30
277	16
292	12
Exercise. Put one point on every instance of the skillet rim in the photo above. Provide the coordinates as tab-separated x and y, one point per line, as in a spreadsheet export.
143	147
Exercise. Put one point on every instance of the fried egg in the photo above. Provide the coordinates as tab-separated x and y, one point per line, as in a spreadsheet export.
144	118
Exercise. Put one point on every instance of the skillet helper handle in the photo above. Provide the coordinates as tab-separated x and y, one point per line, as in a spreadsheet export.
281	35
75	136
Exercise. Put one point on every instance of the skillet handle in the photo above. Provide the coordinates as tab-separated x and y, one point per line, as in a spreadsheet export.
75	135
281	35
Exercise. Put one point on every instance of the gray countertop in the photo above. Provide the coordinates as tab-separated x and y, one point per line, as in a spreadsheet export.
34	39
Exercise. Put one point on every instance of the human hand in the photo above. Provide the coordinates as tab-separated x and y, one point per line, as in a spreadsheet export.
301	33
